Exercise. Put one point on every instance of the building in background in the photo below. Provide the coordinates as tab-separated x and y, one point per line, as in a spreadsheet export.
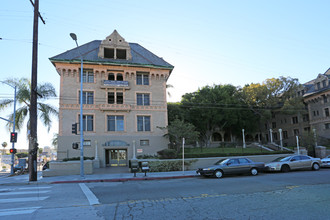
124	100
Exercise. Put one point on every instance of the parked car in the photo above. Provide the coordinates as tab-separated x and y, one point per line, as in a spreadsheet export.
325	162
294	162
232	166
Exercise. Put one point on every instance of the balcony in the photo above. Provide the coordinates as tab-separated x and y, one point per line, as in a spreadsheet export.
115	84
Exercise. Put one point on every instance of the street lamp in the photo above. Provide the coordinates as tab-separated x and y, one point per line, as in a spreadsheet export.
74	37
14	120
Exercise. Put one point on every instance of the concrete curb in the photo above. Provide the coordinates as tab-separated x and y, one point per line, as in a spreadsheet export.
124	179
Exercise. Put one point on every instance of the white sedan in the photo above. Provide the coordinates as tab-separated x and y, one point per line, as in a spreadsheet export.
325	162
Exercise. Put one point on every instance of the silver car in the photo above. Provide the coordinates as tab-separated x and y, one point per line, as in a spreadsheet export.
326	162
294	162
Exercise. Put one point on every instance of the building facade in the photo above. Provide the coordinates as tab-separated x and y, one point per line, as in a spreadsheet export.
124	100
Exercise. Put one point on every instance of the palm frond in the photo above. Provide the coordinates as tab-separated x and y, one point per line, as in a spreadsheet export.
46	111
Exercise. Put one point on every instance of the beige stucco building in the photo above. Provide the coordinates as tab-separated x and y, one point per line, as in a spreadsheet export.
124	100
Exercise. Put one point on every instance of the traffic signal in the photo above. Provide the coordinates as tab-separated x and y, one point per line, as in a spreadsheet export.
13	137
13	151
75	146
74	128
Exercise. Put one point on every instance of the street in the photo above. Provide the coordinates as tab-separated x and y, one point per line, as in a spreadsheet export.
298	195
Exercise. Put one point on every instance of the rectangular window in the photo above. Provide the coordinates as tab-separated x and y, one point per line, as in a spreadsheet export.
274	125
120	98
111	97
121	54
305	117
142	79
115	123
285	135
88	76
88	122
143	99
109	53
88	97
324	84
307	129
275	136
144	142
318	86
326	112
325	99
327	126
143	123
295	120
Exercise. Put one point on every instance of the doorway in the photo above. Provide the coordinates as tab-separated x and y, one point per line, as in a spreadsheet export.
116	157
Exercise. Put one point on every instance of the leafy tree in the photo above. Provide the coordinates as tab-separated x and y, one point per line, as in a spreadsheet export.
275	94
179	129
45	111
216	108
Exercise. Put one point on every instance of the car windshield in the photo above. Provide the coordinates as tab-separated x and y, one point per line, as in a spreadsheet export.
221	162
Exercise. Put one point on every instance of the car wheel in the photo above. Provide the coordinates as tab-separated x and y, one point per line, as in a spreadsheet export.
285	168
316	166
254	171
218	173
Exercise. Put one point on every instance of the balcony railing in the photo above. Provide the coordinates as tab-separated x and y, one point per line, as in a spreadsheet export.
115	83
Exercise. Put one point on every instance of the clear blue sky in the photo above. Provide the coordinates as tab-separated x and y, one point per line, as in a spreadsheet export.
209	42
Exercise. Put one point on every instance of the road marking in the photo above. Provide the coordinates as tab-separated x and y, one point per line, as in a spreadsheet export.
18	211
92	199
291	187
25	193
23	199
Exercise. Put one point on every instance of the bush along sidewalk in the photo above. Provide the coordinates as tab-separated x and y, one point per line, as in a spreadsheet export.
167	166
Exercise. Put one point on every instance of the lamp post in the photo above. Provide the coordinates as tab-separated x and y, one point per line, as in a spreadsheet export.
74	37
14	120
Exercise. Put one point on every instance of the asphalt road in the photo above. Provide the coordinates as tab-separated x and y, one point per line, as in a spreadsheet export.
293	195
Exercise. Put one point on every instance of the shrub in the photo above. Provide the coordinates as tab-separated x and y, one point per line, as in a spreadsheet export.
77	158
167	166
167	154
147	156
201	155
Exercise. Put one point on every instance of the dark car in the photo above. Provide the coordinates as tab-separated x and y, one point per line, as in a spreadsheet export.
232	166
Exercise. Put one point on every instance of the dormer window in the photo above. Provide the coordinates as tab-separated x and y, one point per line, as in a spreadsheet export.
109	53
324	83
318	86
115	47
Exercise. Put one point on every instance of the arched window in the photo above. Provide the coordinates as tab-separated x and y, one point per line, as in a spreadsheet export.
111	76
120	77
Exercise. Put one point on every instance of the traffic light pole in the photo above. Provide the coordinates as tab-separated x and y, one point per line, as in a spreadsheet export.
13	145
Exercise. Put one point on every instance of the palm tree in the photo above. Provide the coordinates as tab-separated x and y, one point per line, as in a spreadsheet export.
45	111
168	86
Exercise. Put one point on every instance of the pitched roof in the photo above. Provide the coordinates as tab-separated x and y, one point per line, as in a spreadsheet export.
89	51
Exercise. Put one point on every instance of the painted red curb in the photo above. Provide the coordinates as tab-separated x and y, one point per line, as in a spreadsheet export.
124	179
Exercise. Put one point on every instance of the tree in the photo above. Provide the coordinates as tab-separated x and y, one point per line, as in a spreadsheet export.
55	140
179	129
275	94
45	111
215	108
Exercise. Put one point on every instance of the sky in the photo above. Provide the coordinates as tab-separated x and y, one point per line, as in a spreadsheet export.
208	42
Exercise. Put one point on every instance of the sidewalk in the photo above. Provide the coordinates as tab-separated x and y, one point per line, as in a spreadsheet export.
99	177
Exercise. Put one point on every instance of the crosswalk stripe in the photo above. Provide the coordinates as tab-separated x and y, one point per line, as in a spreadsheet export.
18	211
28	199
92	199
23	193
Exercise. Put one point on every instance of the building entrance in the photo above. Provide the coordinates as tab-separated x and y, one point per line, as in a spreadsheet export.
116	157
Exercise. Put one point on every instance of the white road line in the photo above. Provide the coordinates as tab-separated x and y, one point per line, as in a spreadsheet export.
42	187
28	199
89	194
24	193
18	211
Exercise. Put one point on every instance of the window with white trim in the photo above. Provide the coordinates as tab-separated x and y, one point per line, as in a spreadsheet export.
143	123
115	122
88	122
142	99
88	76
88	97
142	79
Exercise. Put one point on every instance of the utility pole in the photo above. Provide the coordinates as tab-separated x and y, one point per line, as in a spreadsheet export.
33	141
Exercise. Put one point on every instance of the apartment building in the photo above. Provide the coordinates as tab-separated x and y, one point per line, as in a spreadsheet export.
124	100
